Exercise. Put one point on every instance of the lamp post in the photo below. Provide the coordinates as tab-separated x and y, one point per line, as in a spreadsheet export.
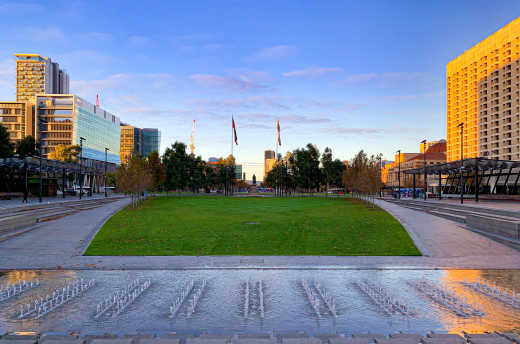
81	139
399	172
461	126
424	162
105	186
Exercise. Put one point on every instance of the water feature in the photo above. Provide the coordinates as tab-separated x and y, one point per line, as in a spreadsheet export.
9	291
194	300
505	295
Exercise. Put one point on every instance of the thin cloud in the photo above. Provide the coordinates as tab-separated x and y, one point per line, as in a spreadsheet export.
274	53
221	82
303	119
313	72
383	77
96	36
212	46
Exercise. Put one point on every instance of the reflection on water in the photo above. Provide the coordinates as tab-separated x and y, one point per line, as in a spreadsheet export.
286	308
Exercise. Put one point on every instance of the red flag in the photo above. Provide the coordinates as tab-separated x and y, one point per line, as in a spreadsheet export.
278	129
97	100
234	130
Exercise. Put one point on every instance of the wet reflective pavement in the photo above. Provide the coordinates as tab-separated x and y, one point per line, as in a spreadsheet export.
283	305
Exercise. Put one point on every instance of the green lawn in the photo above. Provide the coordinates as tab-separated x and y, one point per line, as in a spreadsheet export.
252	226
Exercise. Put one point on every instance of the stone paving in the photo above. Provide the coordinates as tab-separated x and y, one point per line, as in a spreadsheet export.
263	338
445	244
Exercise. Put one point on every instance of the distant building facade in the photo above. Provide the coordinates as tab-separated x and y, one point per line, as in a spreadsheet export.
62	119
37	75
483	93
137	141
269	161
18	119
151	139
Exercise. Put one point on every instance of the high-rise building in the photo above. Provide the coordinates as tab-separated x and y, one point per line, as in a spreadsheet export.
269	160
18	119
483	93
65	118
37	75
138	141
151	141
131	142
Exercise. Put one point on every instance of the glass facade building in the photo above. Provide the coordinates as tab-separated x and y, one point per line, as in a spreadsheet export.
151	139
63	119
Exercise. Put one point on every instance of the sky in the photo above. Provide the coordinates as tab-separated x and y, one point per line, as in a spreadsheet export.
348	75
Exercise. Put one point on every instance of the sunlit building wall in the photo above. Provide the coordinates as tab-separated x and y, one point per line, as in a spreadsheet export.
65	118
130	143
36	75
483	93
18	119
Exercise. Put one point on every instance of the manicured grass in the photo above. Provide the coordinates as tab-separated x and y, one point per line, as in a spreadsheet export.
252	226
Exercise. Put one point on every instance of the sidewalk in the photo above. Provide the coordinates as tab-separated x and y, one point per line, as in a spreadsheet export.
33	201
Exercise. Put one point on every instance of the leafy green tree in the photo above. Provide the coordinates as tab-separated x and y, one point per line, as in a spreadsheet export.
332	170
6	147
26	147
175	161
67	153
305	165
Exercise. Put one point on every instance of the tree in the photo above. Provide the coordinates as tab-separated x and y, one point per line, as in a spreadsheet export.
6	147
26	147
175	161
363	174
134	178
305	166
157	171
332	170
65	153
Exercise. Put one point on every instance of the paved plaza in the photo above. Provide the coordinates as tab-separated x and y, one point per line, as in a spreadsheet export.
444	244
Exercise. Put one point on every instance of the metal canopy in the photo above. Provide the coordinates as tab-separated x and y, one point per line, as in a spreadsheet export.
453	167
33	164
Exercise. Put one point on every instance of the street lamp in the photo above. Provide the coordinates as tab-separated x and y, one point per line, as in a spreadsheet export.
399	172
81	139
105	187
461	126
425	177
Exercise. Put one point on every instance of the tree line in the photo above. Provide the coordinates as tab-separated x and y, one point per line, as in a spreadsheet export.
306	170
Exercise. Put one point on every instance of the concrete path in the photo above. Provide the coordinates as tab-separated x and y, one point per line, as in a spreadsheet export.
445	244
489	204
32	201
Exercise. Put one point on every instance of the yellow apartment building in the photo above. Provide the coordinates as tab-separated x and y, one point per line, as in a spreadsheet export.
483	93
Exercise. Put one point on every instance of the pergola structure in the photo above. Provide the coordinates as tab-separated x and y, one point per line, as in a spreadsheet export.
88	172
471	175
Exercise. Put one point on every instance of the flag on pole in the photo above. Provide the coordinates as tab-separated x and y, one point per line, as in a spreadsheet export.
278	129
234	130
192	145
97	100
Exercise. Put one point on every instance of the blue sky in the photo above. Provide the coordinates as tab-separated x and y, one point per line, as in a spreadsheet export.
350	75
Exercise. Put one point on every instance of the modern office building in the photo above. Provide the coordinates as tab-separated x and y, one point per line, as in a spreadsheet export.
483	93
151	140
37	75
65	118
131	142
18	119
138	141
